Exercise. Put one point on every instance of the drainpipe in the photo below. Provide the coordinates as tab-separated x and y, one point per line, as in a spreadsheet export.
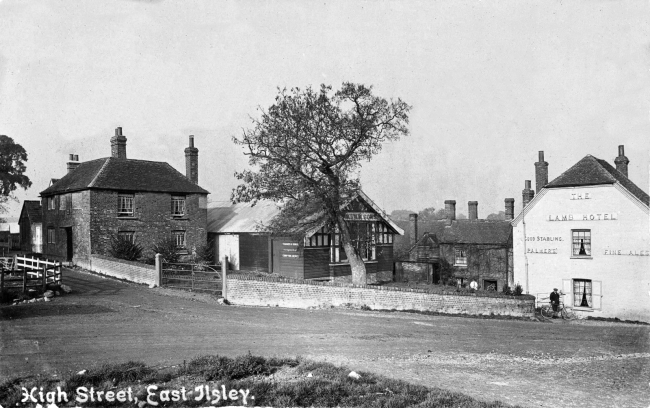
523	220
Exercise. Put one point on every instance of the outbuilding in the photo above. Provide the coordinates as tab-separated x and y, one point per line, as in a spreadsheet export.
237	231
586	233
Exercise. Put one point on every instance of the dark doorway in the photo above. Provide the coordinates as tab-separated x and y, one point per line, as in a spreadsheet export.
488	283
68	240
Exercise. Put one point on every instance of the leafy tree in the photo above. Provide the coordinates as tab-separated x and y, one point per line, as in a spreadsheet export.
400	215
12	167
168	249
500	216
306	150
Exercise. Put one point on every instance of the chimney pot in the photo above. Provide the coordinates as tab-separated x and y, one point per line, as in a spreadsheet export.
118	131
473	209
73	162
527	194
450	209
510	208
541	172
71	157
192	162
76	157
621	161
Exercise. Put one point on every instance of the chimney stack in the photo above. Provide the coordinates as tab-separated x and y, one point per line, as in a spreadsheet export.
541	173
192	162
621	161
510	208
73	162
118	144
413	224
527	194
473	210
450	209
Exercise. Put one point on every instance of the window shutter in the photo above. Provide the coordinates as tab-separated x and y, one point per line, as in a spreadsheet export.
567	289
597	294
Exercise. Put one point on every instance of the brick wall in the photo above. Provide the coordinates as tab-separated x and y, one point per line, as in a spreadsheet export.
151	220
295	293
119	268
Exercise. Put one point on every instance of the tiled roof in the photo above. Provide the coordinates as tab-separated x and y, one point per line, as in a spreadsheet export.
33	210
591	171
125	175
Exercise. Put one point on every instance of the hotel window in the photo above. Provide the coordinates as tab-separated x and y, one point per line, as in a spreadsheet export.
460	257
581	243
127	236
125	205
582	293
51	235
179	239
178	206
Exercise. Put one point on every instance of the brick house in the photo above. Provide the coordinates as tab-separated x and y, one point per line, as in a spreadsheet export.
587	233
475	249
143	201
31	227
319	255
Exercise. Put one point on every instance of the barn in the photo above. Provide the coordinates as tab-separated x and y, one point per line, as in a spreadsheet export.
237	231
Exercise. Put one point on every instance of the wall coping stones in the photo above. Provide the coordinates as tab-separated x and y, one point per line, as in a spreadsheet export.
124	261
385	288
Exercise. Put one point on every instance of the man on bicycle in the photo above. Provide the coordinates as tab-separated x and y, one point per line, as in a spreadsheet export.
555	302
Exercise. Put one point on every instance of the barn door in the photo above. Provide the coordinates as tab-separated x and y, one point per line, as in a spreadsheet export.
597	294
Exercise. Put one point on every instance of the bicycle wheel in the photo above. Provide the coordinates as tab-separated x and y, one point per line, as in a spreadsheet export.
547	311
568	314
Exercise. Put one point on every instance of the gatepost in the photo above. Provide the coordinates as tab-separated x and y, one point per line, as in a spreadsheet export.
158	277
224	281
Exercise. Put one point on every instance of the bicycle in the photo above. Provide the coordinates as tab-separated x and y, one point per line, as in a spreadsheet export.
565	313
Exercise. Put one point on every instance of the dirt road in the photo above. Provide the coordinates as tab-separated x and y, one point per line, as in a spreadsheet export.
582	364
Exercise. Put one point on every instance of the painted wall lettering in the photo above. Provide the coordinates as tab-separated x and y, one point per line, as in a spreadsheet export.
361	216
541	250
627	252
580	196
583	217
544	239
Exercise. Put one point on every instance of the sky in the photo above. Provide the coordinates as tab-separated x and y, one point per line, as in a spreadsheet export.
491	83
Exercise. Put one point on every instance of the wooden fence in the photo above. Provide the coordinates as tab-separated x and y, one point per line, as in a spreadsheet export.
22	272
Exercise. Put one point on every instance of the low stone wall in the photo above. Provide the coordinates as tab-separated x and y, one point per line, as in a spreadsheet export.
119	268
295	293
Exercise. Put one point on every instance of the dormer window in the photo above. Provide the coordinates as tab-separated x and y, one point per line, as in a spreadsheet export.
178	206
125	205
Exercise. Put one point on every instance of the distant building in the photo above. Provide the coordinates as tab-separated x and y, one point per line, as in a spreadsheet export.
587	233
31	227
235	231
140	200
476	249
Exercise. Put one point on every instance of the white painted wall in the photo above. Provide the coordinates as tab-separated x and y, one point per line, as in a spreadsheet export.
229	246
624	279
37	238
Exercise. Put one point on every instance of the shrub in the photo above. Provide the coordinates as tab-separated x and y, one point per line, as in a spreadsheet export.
123	248
518	290
205	254
168	249
507	290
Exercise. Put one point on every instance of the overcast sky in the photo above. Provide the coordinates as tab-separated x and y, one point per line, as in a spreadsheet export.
491	83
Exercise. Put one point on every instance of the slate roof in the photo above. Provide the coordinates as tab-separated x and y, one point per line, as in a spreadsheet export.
477	232
591	171
124	175
33	210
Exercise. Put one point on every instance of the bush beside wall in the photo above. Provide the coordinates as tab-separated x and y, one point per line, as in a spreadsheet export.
295	293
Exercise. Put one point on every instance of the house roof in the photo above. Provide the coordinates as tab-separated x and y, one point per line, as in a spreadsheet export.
477	232
32	209
591	171
241	217
111	173
244	217
10	227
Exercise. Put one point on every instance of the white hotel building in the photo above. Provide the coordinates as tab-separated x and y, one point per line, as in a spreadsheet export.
586	233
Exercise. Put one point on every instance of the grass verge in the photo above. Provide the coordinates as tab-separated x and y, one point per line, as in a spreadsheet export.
255	380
